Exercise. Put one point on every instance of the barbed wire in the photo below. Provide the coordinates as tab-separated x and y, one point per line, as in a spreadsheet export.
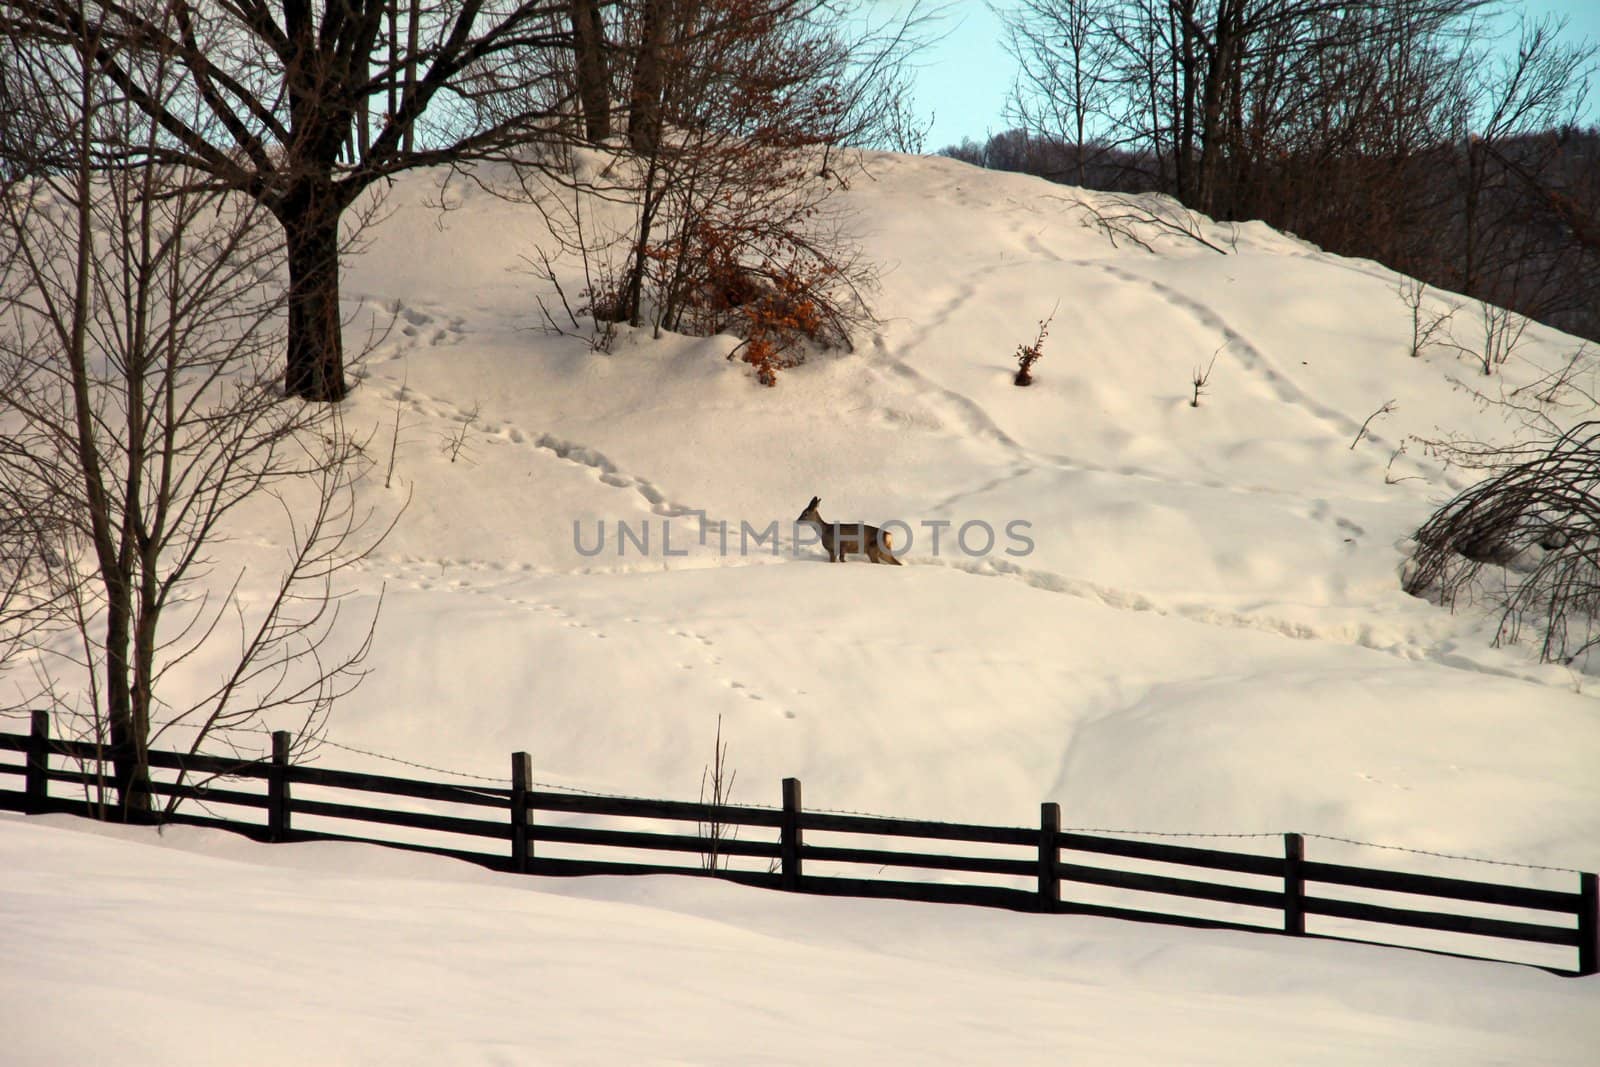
507	782
1445	855
1064	829
858	814
1259	835
412	763
1165	833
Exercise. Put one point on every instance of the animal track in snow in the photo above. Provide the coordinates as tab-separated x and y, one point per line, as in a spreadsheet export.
1379	781
705	649
1360	636
397	328
966	412
971	416
572	452
1235	344
480	577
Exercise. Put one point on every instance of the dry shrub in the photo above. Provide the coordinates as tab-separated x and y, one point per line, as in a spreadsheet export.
781	320
1527	539
1028	355
766	287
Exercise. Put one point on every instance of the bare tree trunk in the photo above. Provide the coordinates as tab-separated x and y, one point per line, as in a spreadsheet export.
644	112
594	80
127	739
392	94
1188	77
1223	58
1470	203
128	735
363	108
649	201
413	18
316	344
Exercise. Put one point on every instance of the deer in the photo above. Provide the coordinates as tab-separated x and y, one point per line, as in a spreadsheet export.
848	538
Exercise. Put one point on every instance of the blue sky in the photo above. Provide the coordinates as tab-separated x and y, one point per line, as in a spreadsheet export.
965	79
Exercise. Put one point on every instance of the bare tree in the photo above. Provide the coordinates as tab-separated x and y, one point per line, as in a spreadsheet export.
655	25
143	310
1519	240
1064	65
268	100
34	587
1514	95
1211	90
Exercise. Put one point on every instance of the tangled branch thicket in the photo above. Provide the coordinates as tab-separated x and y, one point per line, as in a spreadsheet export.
728	183
1536	523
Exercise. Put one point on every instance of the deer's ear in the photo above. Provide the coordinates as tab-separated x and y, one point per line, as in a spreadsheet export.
815	501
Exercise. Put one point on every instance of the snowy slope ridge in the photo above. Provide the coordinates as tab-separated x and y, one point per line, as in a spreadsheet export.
1207	636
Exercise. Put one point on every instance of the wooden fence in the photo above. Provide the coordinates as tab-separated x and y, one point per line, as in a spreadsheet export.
1269	893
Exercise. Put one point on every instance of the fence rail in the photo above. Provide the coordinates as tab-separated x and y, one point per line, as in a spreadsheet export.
1285	889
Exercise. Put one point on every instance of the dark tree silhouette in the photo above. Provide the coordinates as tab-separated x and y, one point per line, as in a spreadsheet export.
304	105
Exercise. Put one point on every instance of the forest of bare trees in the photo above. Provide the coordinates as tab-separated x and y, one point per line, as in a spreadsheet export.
1443	138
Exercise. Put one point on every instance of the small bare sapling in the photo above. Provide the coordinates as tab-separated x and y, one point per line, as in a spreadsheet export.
1201	377
1386	409
1028	355
1390	477
394	440
1502	334
718	779
455	441
1552	386
1424	324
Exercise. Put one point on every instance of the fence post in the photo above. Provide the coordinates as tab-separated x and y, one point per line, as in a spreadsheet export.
1294	884
1049	856
278	787
38	773
521	783
789	835
1588	924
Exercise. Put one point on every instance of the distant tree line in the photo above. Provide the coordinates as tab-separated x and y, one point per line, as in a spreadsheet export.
1435	136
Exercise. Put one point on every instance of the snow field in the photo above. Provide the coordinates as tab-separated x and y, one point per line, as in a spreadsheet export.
1208	637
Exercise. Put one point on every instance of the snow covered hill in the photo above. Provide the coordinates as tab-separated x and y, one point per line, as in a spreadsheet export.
1207	635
